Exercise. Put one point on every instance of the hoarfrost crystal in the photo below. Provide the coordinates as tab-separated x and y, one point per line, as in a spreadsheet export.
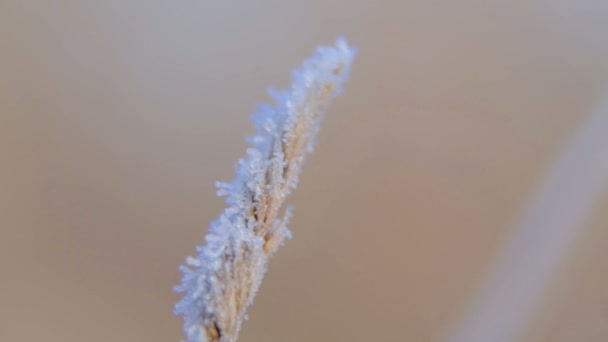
221	281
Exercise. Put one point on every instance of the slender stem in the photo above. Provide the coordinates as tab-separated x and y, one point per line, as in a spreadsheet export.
515	284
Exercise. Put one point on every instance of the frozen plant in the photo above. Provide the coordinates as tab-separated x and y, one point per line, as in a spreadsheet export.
221	281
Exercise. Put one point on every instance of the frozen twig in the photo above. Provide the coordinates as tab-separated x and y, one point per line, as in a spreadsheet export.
221	281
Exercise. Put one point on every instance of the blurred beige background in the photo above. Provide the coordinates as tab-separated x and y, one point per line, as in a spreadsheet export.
116	118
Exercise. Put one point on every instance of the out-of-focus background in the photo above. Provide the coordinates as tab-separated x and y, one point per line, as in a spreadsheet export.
116	118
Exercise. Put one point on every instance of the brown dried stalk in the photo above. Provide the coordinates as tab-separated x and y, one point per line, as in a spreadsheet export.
230	268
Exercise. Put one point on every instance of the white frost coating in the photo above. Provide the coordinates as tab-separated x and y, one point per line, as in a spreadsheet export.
222	280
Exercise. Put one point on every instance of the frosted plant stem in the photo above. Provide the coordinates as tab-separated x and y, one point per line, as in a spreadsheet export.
501	311
220	283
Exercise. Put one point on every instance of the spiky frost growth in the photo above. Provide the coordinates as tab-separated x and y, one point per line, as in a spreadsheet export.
220	283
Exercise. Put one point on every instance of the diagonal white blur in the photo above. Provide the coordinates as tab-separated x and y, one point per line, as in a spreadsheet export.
556	215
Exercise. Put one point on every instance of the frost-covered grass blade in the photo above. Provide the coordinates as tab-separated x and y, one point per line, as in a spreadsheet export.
221	281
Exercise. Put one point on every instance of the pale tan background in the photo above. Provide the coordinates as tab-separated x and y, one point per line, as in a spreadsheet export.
116	118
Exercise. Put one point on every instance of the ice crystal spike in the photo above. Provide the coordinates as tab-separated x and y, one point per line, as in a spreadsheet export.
221	281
